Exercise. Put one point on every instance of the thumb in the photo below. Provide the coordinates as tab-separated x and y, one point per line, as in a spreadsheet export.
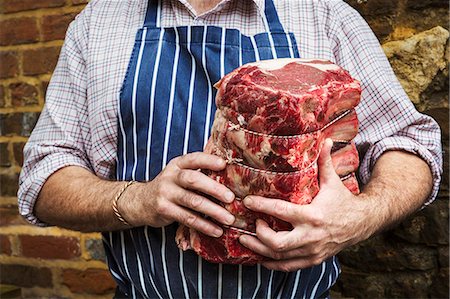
327	174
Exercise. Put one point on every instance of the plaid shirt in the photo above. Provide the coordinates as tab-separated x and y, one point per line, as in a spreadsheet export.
78	125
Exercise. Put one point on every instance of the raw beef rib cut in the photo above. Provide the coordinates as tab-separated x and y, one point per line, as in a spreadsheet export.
272	119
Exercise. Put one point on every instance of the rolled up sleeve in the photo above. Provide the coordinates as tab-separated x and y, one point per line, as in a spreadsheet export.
388	119
61	135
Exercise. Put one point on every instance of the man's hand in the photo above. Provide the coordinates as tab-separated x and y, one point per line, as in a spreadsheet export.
336	218
175	196
322	229
77	199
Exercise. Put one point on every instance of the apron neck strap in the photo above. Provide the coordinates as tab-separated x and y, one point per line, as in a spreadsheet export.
270	16
153	15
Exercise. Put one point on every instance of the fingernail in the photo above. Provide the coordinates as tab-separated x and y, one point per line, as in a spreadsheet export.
229	196
217	232
230	219
243	239
220	162
248	201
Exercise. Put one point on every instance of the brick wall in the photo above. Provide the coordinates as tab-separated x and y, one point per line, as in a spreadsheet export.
410	261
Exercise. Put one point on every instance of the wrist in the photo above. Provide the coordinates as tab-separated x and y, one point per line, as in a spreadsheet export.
371	213
129	205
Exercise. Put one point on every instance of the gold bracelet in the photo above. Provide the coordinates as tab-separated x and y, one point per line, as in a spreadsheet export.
116	199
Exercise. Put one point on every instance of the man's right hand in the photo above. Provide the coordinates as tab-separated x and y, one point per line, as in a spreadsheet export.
175	196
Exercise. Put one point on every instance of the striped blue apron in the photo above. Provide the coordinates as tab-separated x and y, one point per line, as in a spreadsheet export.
166	110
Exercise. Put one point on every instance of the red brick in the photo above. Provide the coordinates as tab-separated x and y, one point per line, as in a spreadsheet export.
26	276
54	26
9	66
5	245
11	124
2	95
91	281
5	161
76	2
50	247
16	31
9	183
40	61
9	215
23	94
18	152
44	87
8	6
18	123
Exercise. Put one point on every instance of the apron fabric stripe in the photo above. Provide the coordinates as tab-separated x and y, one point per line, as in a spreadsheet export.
239	285
164	262
258	281
181	265
133	103
210	92
140	272
219	281
152	105
314	290
200	277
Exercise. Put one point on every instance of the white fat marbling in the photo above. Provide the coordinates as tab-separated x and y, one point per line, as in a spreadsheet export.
274	64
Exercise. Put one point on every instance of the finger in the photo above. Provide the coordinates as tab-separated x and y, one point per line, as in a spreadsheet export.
258	247
281	241
195	180
281	209
194	220
200	160
327	173
204	206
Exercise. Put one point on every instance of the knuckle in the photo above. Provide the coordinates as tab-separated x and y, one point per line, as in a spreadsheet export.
281	207
161	208
276	255
195	201
318	219
286	268
317	260
190	220
279	245
186	177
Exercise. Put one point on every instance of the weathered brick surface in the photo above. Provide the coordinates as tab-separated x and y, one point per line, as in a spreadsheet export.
40	60
23	94
10	6
50	247
26	276
5	161
20	124
9	64
8	183
5	245
54	26
9	216
2	95
18	152
20	30
91	281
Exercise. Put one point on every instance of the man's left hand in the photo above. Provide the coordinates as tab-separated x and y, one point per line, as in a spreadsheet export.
334	220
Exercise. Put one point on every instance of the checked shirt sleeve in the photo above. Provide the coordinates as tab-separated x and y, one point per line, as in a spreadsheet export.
388	119
58	139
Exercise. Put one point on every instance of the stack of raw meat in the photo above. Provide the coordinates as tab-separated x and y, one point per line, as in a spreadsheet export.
272	119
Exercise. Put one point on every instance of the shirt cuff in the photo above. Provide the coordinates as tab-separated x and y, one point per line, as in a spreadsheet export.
32	180
405	144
